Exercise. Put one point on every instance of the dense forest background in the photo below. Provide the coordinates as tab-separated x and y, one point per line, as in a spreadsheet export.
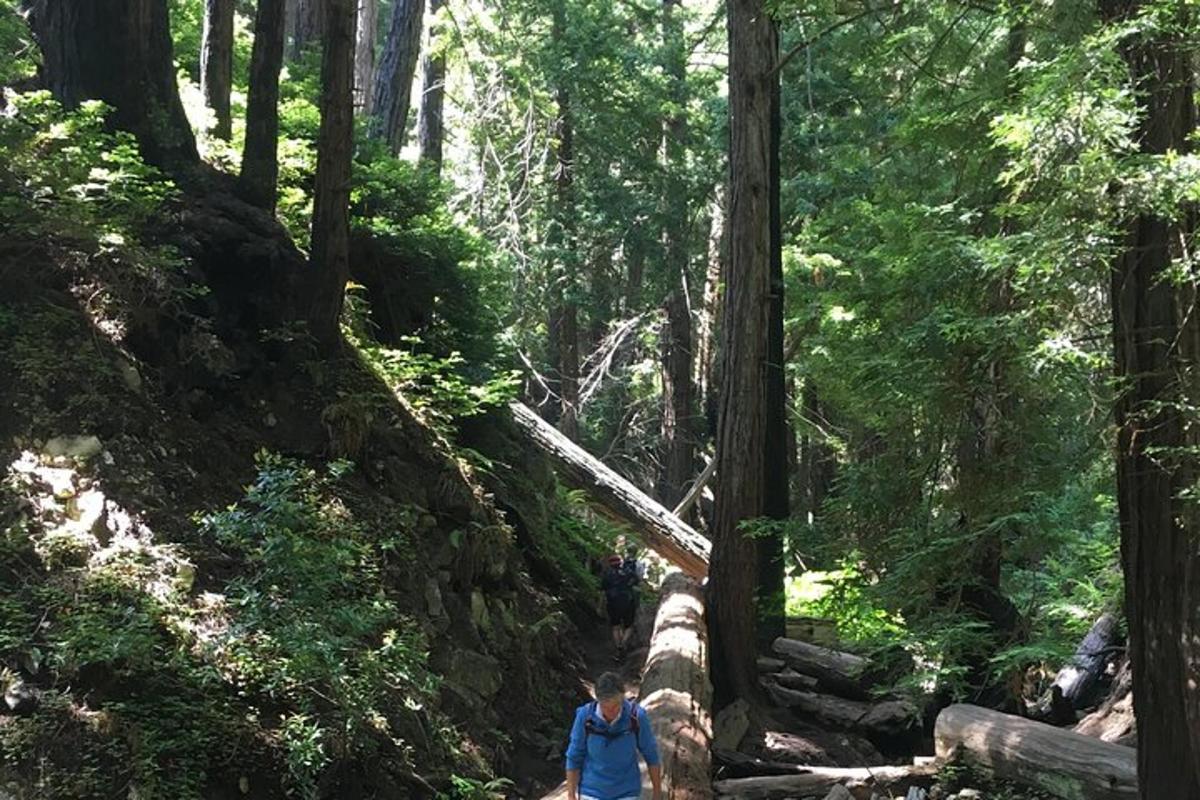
278	317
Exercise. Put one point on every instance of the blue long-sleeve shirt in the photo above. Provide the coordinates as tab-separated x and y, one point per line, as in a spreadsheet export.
608	765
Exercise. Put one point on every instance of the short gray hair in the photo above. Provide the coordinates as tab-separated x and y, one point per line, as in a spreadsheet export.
609	685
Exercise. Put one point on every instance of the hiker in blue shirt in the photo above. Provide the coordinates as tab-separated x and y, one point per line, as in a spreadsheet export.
608	734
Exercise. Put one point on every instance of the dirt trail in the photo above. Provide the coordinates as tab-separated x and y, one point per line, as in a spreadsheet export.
599	657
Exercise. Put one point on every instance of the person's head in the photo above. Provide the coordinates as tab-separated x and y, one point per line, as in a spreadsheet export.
610	693
614	561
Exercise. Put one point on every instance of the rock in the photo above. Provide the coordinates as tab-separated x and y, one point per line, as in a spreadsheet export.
130	375
839	792
80	447
477	672
731	725
479	611
20	698
433	600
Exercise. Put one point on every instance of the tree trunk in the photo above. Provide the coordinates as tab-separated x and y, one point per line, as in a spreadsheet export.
676	691
1156	352
1077	680
260	162
770	598
311	24
1064	763
364	54
710	310
635	269
331	193
433	93
564	311
118	51
216	64
742	420
394	78
678	446
616	497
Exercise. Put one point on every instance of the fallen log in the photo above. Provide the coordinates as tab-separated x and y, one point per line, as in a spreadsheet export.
1077	680
887	718
843	673
790	679
615	496
861	782
1064	763
676	692
1114	720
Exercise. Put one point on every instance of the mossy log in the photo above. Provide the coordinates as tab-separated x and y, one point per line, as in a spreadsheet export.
1064	763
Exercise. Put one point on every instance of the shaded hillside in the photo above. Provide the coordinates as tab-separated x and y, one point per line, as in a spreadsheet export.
230	568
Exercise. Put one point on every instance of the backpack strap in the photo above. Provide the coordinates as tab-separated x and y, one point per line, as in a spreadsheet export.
589	724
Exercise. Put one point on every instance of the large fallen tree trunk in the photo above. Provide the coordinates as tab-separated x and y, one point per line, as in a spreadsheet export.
887	718
1064	763
1114	721
842	673
616	497
676	692
861	781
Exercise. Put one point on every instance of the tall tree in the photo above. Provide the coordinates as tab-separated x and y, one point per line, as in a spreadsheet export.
118	51
330	267
260	161
771	599
364	54
216	64
740	492
433	93
394	79
678	440
309	24
563	327
1157	341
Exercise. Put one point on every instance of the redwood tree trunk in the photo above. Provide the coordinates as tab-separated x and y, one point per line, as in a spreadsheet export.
310	24
742	420
260	162
331	193
394	79
364	54
433	93
1157	348
678	440
771	600
118	51
216	64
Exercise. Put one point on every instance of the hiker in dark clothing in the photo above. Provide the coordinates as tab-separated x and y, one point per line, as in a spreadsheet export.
621	600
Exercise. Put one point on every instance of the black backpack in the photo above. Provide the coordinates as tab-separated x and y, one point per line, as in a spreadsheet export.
589	724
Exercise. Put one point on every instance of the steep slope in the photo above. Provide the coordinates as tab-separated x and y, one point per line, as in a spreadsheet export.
229	569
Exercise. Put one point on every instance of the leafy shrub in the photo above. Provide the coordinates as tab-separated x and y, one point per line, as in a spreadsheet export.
308	624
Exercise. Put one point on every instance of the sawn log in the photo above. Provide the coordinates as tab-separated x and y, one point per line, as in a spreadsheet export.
861	782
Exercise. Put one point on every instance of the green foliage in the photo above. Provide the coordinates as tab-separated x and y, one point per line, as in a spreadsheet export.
21	57
65	175
309	625
475	789
437	388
